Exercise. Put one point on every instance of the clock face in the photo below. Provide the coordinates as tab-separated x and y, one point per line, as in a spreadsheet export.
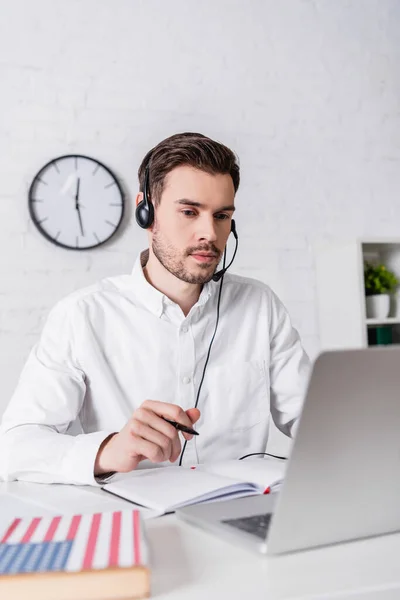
76	202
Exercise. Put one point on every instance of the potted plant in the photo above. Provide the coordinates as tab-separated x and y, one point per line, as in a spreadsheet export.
379	284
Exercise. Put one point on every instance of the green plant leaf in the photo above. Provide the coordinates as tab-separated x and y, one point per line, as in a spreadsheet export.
378	279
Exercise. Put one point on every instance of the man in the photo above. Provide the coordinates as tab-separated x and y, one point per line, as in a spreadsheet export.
115	359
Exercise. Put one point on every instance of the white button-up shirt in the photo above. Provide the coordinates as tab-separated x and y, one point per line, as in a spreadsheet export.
107	348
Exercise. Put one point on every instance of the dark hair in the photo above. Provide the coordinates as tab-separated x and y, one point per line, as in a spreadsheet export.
193	149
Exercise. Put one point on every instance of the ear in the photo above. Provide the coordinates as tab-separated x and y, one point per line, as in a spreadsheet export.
139	198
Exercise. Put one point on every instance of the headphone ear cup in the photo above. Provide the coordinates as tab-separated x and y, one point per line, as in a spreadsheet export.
233	228
144	214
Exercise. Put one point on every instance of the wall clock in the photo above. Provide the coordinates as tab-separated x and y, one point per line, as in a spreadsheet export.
76	202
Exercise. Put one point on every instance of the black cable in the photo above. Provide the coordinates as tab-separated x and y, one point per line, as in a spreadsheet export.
208	353
258	454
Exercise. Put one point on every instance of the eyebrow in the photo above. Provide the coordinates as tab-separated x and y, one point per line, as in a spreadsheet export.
187	202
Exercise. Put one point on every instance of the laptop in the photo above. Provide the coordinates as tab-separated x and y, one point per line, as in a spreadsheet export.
343	477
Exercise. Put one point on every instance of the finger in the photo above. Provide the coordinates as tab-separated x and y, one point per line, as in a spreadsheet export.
176	449
147	449
156	422
193	414
170	411
141	430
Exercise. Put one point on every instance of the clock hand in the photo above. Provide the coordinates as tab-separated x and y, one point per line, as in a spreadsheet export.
77	193
77	205
80	222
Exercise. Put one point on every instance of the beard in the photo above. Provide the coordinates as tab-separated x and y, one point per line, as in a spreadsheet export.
173	261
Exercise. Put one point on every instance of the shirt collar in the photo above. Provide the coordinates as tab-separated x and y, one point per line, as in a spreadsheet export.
152	298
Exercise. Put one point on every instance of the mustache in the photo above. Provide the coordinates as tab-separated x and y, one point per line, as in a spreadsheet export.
209	248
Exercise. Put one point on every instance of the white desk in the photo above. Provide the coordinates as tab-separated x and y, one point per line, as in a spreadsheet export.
188	564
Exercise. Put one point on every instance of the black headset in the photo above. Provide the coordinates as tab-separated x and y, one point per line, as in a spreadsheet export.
144	217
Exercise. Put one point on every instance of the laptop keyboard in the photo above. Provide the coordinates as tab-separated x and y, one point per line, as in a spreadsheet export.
256	525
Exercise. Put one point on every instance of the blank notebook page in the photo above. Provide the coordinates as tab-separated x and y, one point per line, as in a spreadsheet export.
264	472
171	487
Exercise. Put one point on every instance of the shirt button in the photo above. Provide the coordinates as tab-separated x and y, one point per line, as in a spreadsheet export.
186	379
185	329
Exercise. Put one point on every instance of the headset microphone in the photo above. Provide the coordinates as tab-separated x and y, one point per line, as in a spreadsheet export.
217	276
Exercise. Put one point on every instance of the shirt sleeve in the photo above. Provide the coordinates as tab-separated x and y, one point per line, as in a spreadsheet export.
289	370
34	445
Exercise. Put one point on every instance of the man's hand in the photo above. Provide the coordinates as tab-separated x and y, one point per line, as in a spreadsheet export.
145	435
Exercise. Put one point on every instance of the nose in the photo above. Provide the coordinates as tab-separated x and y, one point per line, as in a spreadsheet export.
207	230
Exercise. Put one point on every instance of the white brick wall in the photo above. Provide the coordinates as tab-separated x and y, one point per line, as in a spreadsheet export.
307	93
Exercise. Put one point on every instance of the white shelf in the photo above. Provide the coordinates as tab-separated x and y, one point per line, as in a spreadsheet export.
388	321
342	315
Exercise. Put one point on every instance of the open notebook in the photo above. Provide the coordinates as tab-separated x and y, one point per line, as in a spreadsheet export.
165	489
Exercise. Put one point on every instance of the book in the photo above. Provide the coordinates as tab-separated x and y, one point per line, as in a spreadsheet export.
91	556
165	489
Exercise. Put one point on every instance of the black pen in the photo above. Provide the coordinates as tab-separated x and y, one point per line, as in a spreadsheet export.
180	427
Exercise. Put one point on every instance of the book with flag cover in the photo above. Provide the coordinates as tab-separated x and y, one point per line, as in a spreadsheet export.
99	556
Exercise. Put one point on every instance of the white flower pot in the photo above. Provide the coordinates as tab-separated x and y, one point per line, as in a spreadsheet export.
378	306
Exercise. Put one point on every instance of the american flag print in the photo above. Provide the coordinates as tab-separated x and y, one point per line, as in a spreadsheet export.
73	543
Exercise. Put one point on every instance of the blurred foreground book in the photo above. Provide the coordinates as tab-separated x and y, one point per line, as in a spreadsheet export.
93	556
